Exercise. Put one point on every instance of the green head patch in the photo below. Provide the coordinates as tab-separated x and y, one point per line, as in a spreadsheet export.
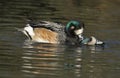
72	26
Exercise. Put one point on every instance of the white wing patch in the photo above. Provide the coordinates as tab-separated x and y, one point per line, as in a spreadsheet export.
29	29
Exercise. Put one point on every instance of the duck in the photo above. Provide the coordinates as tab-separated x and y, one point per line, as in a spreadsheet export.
91	41
55	33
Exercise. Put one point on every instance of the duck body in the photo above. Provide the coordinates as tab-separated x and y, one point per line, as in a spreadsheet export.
45	32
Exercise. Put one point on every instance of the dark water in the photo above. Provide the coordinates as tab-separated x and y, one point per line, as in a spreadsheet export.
21	60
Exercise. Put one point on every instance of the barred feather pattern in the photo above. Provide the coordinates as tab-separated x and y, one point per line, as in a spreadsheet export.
50	25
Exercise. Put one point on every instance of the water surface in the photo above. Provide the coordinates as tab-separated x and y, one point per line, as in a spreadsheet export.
19	59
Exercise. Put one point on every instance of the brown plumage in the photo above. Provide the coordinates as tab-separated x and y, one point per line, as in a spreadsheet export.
45	35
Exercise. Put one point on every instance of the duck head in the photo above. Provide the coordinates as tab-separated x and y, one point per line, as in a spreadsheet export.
74	28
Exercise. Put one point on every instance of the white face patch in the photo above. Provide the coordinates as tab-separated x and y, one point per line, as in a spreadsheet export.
79	31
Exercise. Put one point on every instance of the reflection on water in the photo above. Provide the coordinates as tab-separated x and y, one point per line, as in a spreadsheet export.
41	59
51	60
55	60
18	59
